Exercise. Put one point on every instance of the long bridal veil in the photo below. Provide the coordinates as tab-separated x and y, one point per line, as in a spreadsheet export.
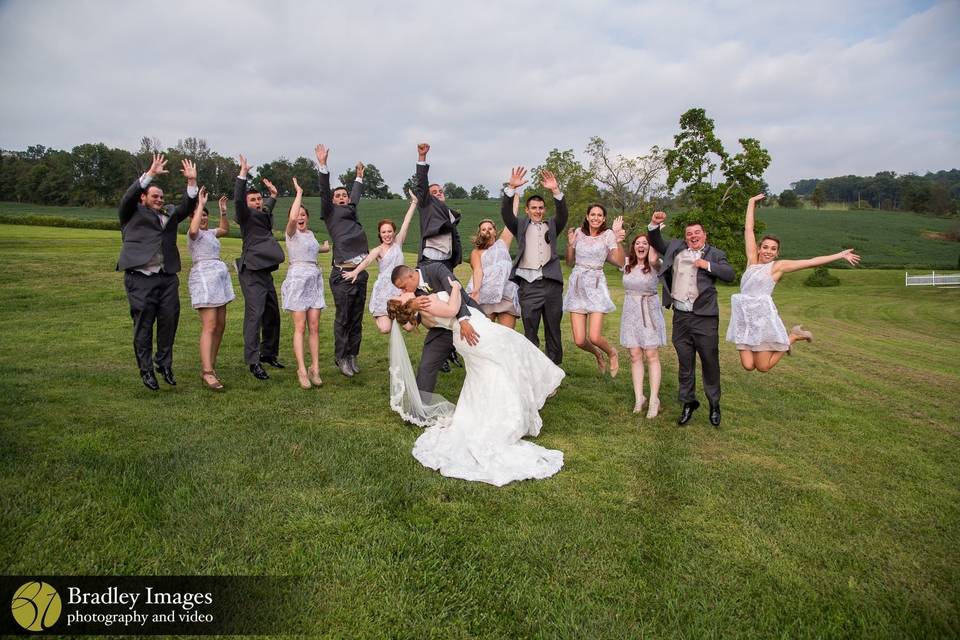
423	409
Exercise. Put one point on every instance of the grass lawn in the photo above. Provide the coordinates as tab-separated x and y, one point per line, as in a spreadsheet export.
827	505
885	239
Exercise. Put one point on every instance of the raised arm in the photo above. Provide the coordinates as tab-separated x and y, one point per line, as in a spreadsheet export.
356	192
510	195
616	256
749	238
189	202
224	227
422	184
401	236
194	229
571	256
131	199
270	201
781	267
294	209
476	264
326	197
654	234
240	209
548	180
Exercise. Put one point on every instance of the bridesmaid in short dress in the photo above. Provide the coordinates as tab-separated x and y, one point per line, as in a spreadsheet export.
588	298
389	254
642	328
490	287
302	289
209	284
755	324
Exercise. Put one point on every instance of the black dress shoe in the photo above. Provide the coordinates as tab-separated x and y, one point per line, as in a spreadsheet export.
454	357
257	370
344	366
354	366
273	362
687	412
445	366
167	374
715	415
149	380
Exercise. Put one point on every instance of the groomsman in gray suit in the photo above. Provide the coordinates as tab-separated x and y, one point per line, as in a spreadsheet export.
260	257
536	269
339	212
690	270
150	261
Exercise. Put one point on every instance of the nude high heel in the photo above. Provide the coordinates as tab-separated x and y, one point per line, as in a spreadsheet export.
304	380
654	407
638	407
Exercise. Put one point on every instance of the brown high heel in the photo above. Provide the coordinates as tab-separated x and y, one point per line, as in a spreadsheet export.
213	386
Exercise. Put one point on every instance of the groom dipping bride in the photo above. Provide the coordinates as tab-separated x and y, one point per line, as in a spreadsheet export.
506	383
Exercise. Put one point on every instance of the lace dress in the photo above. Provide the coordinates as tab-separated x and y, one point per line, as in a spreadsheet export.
755	324
302	289
497	293
209	279
383	288
480	438
587	288
641	323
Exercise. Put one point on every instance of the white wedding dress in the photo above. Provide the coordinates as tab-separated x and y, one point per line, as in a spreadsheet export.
507	381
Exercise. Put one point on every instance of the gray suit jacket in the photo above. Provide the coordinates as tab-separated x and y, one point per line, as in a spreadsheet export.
518	226
143	235
349	239
260	249
720	269
435	218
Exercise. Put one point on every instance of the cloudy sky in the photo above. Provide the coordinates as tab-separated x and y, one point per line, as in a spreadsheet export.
829	87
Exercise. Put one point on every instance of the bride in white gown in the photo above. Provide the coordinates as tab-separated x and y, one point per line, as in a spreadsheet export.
507	381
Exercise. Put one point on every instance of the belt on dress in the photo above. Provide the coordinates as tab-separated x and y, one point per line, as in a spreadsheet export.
303	262
643	304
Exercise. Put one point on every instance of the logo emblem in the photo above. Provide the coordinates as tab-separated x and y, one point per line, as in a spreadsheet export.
36	606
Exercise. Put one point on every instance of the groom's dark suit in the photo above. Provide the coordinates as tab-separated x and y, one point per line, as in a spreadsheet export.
542	297
434	277
695	332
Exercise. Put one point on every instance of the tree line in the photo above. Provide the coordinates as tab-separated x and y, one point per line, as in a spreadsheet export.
937	193
696	180
94	174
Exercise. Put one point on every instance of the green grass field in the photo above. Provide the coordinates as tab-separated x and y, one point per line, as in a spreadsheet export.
885	239
827	505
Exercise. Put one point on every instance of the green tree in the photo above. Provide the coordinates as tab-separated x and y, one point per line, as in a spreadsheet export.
788	199
479	192
575	180
373	184
454	191
817	197
279	172
693	162
629	184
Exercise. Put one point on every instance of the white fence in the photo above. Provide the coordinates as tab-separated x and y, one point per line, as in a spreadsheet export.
933	279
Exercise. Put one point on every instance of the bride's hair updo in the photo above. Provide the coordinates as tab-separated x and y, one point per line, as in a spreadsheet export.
402	312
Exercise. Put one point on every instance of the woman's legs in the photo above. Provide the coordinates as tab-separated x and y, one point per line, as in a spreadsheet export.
596	337
299	328
218	333
653	363
313	324
578	323
746	359
208	327
636	372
